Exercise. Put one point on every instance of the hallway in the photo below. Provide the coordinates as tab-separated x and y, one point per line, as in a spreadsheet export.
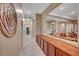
31	48
39	29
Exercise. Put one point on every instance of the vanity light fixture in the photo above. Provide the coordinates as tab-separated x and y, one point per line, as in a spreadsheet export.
72	12
61	8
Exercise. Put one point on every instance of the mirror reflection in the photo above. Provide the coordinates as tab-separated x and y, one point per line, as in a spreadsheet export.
62	22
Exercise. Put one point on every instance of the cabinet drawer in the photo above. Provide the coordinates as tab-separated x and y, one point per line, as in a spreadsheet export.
51	50
41	44
60	53
45	47
39	41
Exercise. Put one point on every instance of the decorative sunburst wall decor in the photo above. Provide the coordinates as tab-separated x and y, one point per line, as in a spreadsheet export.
8	19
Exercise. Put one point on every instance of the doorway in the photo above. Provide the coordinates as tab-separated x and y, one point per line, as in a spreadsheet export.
27	31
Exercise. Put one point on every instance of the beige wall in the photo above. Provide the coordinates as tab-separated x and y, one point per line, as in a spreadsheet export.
78	16
34	27
46	27
78	21
12	46
38	24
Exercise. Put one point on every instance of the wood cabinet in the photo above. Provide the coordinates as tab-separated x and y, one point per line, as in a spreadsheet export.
60	53
52	47
41	43
48	48
45	47
38	40
51	50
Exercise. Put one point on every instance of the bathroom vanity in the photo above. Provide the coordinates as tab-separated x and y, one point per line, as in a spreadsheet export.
53	46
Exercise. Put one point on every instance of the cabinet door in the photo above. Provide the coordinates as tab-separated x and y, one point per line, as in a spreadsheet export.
41	43
60	53
45	47
37	39
51	50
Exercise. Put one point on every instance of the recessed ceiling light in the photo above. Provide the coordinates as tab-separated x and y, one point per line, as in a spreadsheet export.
72	12
61	8
28	12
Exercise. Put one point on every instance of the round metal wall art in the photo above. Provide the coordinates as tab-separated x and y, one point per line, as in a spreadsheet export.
8	19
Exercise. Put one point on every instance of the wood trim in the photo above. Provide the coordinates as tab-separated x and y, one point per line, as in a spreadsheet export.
50	8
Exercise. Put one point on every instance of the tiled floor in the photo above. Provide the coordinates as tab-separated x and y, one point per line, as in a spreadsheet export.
31	48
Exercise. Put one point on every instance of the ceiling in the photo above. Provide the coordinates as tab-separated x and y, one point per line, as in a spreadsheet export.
65	10
33	8
55	19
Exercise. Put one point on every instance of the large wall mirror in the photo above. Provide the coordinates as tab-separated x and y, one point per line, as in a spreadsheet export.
62	22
